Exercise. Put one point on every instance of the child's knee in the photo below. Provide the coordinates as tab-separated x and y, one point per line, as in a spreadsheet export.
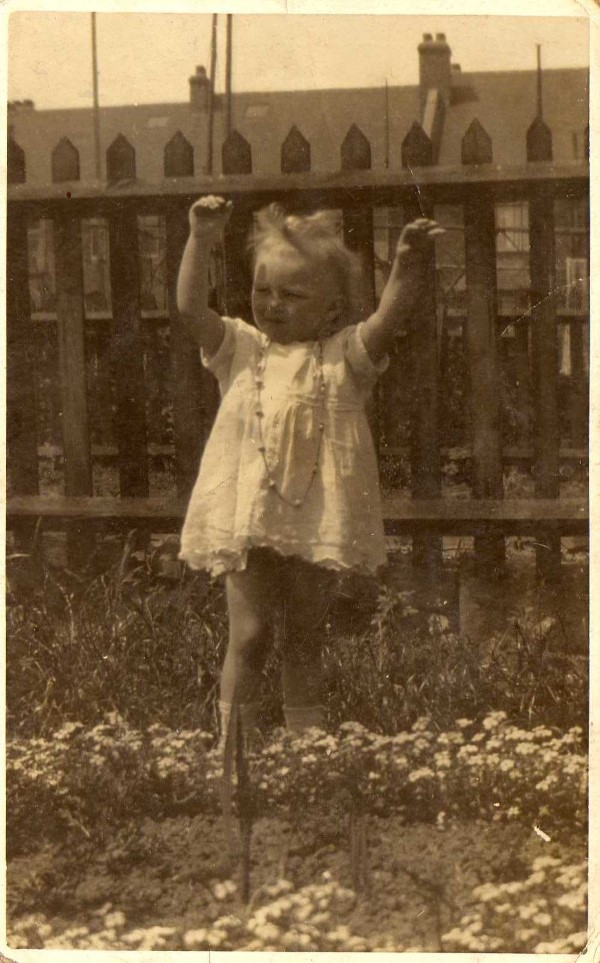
249	638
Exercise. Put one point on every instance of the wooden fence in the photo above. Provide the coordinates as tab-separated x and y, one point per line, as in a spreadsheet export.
356	191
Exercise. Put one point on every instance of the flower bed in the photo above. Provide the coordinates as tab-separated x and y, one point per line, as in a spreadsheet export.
97	778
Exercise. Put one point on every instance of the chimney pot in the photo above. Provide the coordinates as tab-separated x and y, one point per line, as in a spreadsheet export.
435	72
199	89
456	68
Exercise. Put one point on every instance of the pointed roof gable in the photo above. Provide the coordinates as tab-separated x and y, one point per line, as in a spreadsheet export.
503	102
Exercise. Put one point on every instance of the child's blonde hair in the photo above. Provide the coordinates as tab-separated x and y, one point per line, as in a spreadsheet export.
314	235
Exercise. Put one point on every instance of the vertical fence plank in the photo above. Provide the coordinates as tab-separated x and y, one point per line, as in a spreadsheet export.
359	237
545	366
186	367
71	353
127	347
21	429
578	415
238	263
355	154
482	354
426	477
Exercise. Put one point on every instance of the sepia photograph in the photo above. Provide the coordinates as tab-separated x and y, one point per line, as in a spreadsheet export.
297	609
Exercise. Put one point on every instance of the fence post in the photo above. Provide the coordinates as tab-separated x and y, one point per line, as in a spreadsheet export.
482	354
426	477
545	367
71	354
358	237
186	366
128	352
21	433
238	262
357	226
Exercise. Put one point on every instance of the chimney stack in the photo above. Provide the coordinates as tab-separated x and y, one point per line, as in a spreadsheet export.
435	72
199	89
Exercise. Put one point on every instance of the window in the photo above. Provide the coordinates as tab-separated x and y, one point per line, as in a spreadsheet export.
577	293
98	241
450	266
96	268
153	278
42	270
572	240
512	227
512	258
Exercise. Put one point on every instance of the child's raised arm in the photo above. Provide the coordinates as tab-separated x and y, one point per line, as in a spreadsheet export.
207	217
403	287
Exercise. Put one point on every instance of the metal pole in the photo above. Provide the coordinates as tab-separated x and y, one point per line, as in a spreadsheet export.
539	80
96	104
211	95
387	127
228	60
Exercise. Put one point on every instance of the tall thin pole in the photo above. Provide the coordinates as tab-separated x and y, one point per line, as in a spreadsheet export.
96	102
211	96
228	57
386	159
539	80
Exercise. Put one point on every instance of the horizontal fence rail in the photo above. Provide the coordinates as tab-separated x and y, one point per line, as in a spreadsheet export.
402	516
415	388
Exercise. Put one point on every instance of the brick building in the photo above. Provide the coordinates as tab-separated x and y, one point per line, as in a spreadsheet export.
316	130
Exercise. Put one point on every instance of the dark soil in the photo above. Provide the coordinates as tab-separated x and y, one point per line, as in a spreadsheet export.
417	879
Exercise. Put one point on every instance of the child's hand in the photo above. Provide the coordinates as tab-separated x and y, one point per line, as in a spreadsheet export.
417	238
209	215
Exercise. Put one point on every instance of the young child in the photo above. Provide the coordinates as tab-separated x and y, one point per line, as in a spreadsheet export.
288	490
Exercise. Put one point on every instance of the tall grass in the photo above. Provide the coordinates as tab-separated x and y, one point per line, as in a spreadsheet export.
392	672
128	641
150	648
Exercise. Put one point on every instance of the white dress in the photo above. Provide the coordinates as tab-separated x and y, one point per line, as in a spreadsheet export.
232	507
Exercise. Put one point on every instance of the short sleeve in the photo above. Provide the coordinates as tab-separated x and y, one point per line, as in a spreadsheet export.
364	369
219	363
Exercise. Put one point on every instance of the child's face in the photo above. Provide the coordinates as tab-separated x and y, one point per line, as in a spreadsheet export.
293	296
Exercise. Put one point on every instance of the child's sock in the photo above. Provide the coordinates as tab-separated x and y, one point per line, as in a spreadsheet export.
299	718
248	714
231	715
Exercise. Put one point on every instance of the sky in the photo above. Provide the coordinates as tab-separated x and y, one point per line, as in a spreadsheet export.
147	57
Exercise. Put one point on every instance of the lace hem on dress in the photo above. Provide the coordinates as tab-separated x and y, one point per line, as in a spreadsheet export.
221	561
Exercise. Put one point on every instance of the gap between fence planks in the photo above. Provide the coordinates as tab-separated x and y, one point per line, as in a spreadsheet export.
128	354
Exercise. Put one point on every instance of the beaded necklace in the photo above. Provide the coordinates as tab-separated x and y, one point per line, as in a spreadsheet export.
319	382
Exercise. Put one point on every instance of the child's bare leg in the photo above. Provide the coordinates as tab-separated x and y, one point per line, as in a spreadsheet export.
251	601
308	593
